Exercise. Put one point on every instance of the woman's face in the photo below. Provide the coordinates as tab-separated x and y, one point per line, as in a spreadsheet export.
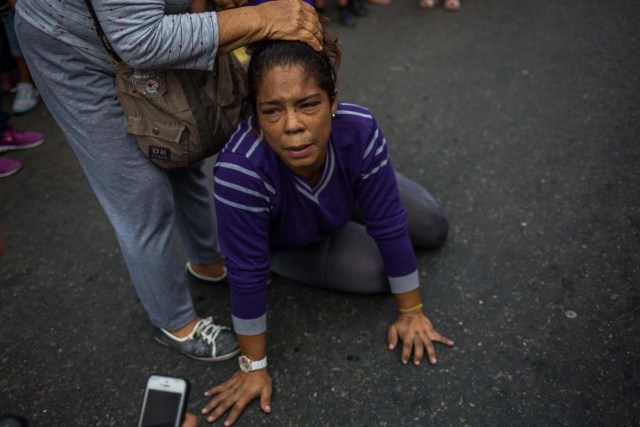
295	115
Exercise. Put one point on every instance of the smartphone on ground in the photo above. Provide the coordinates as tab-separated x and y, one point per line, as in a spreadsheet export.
164	402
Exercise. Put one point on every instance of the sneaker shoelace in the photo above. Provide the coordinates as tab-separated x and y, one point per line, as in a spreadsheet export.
209	331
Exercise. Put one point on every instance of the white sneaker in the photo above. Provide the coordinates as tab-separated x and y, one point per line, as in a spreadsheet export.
26	98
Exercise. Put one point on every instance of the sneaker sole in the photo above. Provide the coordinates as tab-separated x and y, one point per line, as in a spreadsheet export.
2	175
205	278
21	112
20	147
202	359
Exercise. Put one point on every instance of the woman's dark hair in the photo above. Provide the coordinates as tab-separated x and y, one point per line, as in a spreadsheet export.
268	54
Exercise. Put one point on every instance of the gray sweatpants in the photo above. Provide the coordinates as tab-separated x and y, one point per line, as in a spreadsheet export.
148	207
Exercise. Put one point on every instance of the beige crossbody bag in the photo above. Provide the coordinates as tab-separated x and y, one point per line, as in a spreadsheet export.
179	116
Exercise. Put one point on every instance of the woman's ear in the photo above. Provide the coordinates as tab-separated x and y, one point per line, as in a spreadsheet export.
334	104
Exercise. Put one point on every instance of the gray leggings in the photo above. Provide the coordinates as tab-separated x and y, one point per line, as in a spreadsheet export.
349	260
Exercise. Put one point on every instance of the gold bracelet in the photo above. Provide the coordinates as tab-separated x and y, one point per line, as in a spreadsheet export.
410	309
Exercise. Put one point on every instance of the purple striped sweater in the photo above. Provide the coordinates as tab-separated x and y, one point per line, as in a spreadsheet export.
262	207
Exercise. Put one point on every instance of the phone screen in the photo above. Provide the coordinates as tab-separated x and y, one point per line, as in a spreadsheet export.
162	409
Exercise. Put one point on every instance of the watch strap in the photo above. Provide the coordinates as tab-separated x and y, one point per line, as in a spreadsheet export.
248	365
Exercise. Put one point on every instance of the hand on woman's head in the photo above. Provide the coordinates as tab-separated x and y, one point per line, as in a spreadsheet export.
292	20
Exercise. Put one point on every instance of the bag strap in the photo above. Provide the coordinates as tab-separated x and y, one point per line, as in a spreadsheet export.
103	38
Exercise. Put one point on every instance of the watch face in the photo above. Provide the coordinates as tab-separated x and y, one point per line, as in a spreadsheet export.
245	363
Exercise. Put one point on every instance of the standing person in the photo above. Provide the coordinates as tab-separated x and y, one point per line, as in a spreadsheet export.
26	94
13	139
450	5
294	186
150	208
348	11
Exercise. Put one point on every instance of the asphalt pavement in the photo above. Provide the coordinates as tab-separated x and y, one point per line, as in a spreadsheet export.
521	117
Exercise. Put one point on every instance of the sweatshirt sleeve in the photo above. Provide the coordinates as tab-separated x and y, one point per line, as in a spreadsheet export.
384	216
145	36
243	206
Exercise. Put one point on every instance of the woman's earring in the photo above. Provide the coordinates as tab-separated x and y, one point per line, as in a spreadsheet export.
333	115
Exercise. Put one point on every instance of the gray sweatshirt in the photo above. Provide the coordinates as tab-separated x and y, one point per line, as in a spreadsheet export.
145	33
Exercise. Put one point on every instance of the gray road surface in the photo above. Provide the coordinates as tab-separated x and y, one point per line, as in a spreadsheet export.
523	119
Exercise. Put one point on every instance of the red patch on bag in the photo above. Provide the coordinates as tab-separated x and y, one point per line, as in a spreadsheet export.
160	153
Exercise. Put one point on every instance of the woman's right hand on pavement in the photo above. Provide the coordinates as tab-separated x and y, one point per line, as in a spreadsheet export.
237	393
292	20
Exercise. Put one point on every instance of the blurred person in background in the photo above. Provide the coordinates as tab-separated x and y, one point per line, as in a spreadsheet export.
27	97
348	10
451	5
12	139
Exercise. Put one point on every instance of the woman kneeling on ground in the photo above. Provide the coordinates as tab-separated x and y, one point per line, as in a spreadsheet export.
293	186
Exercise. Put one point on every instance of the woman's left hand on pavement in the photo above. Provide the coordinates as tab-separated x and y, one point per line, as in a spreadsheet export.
417	333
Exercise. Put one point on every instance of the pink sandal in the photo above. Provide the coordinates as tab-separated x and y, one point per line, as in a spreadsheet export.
452	5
